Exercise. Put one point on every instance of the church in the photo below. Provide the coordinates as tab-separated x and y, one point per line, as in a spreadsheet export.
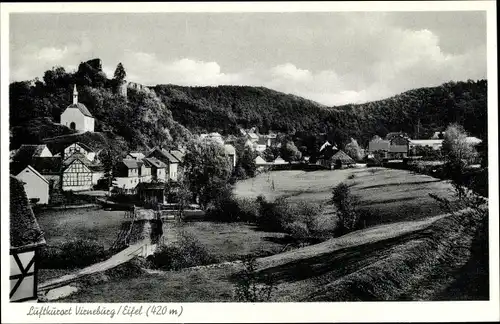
77	116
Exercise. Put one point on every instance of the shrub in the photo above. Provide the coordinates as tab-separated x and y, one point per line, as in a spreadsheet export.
346	209
187	252
73	254
298	231
248	286
274	215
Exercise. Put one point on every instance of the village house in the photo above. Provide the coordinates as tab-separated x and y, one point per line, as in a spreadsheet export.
78	147
169	159
151	192
338	160
36	185
76	173
144	170
279	161
259	161
230	152
261	144
126	175
42	161
27	152
394	146
26	239
436	141
135	155
158	169
77	117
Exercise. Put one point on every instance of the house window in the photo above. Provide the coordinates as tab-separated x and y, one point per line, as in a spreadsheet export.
72	125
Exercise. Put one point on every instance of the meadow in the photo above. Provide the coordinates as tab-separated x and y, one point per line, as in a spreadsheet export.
412	251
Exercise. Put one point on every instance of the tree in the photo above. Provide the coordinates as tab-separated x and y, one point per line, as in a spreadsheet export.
346	208
120	73
353	150
290	152
207	170
270	153
458	155
247	162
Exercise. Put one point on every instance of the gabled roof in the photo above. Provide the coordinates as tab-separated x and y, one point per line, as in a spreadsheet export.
279	160
165	154
137	155
35	172
82	145
342	156
77	156
259	160
27	152
155	162
427	142
262	140
24	229
131	163
48	165
178	155
393	135
80	107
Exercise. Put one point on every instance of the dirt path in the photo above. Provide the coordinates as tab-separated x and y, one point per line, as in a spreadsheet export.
138	249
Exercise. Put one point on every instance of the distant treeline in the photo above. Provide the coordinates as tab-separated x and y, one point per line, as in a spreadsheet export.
169	115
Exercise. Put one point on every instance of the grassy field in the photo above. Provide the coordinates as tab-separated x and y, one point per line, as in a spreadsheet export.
60	226
429	259
229	241
388	195
412	251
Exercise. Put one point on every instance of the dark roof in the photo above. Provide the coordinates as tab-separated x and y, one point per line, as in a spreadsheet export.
165	154
94	140
24	229
342	156
130	163
27	152
155	162
48	165
393	135
96	167
262	140
82	109
82	145
178	155
150	186
77	156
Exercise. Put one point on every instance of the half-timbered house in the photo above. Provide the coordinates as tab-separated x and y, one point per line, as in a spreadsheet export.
26	238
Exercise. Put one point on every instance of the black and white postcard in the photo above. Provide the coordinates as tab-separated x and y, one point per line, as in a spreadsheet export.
249	162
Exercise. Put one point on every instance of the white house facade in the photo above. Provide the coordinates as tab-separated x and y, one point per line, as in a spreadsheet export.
35	185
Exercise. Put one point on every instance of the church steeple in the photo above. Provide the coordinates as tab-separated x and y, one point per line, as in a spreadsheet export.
75	96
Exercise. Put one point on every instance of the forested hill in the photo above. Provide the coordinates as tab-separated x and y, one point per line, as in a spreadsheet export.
418	112
226	108
169	115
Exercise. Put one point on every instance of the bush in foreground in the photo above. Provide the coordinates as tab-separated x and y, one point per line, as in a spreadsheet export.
249	287
72	254
348	216
185	253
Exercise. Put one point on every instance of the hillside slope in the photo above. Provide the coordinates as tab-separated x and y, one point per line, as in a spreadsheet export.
418	112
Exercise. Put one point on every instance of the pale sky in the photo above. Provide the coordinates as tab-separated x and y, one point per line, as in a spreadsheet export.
332	58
